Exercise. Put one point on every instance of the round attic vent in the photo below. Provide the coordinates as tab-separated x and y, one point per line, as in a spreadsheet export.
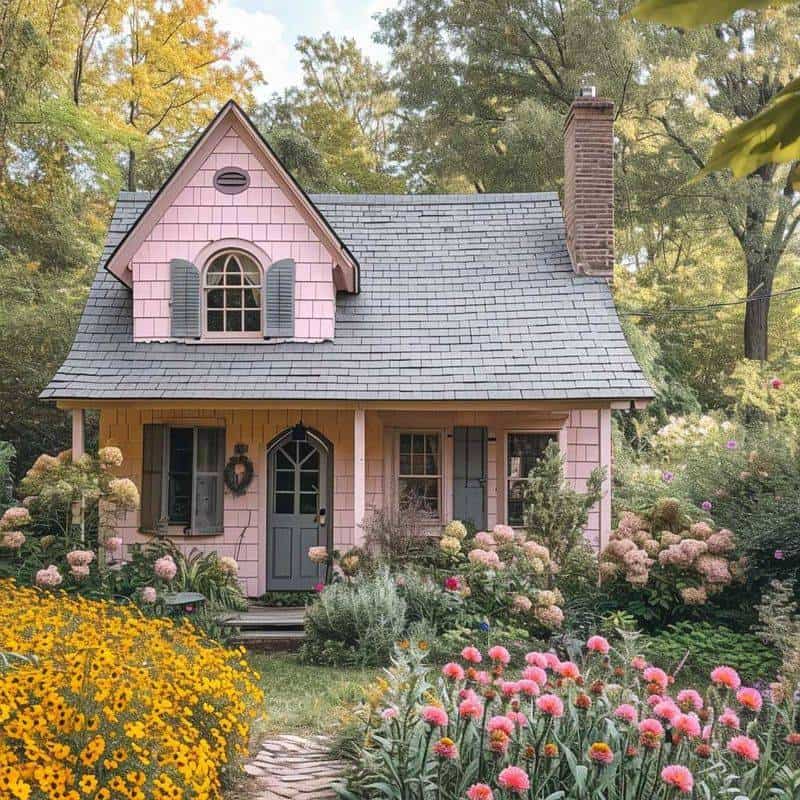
231	180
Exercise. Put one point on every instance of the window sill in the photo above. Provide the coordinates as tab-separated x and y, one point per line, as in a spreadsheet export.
178	531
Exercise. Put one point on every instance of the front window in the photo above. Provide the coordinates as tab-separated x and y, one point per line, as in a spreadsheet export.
233	294
419	470
523	450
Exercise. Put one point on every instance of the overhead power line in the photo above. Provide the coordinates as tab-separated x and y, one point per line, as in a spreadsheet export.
649	314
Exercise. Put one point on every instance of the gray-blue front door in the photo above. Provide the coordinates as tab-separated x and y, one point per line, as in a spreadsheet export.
298	491
469	475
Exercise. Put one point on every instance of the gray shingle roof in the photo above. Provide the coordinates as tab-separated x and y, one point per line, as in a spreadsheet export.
463	298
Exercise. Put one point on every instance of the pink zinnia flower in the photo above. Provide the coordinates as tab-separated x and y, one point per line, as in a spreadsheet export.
729	719
434	716
654	699
744	747
480	791
650	732
598	644
483	678
509	688
514	779
528	687
688	725
568	669
638	663
472	655
776	383
679	777
626	712
667	710
389	713
446	748
499	654
656	676
319	587
518	718
470	708
707	732
453	671
500	724
551	705
535	659
727	677
536	674
689	699
601	753
552	660
750	698
452	584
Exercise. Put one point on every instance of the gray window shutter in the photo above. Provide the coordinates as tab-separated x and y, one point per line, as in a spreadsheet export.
209	458
184	299
154	438
278	299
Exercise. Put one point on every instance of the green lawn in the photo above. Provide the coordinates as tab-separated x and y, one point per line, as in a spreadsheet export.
303	698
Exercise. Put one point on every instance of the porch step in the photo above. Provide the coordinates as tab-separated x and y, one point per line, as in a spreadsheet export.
264	627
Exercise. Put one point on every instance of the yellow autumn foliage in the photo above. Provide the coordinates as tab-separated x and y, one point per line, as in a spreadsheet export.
99	701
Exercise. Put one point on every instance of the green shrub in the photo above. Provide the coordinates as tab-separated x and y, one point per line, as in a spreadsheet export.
355	623
427	601
700	646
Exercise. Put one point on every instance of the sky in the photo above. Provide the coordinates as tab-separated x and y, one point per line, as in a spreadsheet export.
269	30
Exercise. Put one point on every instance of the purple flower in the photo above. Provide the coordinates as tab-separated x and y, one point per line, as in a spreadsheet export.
779	555
667	476
706	505
731	444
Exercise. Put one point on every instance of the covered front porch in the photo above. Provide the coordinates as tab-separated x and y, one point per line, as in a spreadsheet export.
318	470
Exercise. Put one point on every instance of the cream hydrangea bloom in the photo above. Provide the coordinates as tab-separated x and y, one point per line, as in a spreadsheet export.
455	529
123	493
110	456
450	545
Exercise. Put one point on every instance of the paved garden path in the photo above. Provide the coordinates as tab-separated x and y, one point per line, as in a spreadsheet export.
294	768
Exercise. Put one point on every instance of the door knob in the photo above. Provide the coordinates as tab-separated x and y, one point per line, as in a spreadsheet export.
321	516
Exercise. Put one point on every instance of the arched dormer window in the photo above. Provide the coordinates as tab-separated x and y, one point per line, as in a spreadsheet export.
232	295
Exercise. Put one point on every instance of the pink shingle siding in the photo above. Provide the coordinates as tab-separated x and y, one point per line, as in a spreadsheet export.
262	214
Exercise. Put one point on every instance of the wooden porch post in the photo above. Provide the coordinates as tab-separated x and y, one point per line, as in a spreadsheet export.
605	462
359	475
78	433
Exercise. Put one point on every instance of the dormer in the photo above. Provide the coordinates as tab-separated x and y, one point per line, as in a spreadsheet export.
231	249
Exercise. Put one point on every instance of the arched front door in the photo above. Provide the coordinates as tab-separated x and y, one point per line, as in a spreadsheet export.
299	510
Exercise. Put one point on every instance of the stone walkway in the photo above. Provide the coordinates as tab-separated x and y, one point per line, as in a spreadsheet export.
294	768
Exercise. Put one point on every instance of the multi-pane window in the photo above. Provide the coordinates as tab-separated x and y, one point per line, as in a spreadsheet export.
297	479
233	294
420	470
522	453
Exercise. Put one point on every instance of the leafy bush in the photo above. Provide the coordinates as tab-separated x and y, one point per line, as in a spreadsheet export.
700	646
91	692
569	731
7	456
356	623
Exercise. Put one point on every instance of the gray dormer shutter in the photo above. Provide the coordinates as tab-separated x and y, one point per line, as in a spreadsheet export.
278	300
184	299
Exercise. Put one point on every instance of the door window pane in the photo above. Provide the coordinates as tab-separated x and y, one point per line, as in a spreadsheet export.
523	451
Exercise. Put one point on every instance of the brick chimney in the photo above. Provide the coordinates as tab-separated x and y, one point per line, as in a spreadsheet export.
589	183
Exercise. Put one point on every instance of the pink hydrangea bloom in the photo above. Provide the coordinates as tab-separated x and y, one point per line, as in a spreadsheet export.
514	779
499	654
113	544
679	777
626	712
598	644
149	595
744	747
484	558
453	671
472	655
15	517
499	723
13	540
536	674
688	725
79	558
729	719
528	687
165	568
79	571
535	659
502	533
551	705
49	578
689	699
484	540
727	677
434	716
750	698
479	791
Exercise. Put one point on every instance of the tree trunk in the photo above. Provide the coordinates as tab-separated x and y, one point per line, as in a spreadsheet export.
760	274
131	170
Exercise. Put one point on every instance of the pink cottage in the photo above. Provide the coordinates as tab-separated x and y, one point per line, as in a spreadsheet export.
275	365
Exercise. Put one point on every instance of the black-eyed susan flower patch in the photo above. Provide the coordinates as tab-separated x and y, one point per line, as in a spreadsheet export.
98	701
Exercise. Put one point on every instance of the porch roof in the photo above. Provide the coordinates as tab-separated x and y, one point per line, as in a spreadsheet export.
463	297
